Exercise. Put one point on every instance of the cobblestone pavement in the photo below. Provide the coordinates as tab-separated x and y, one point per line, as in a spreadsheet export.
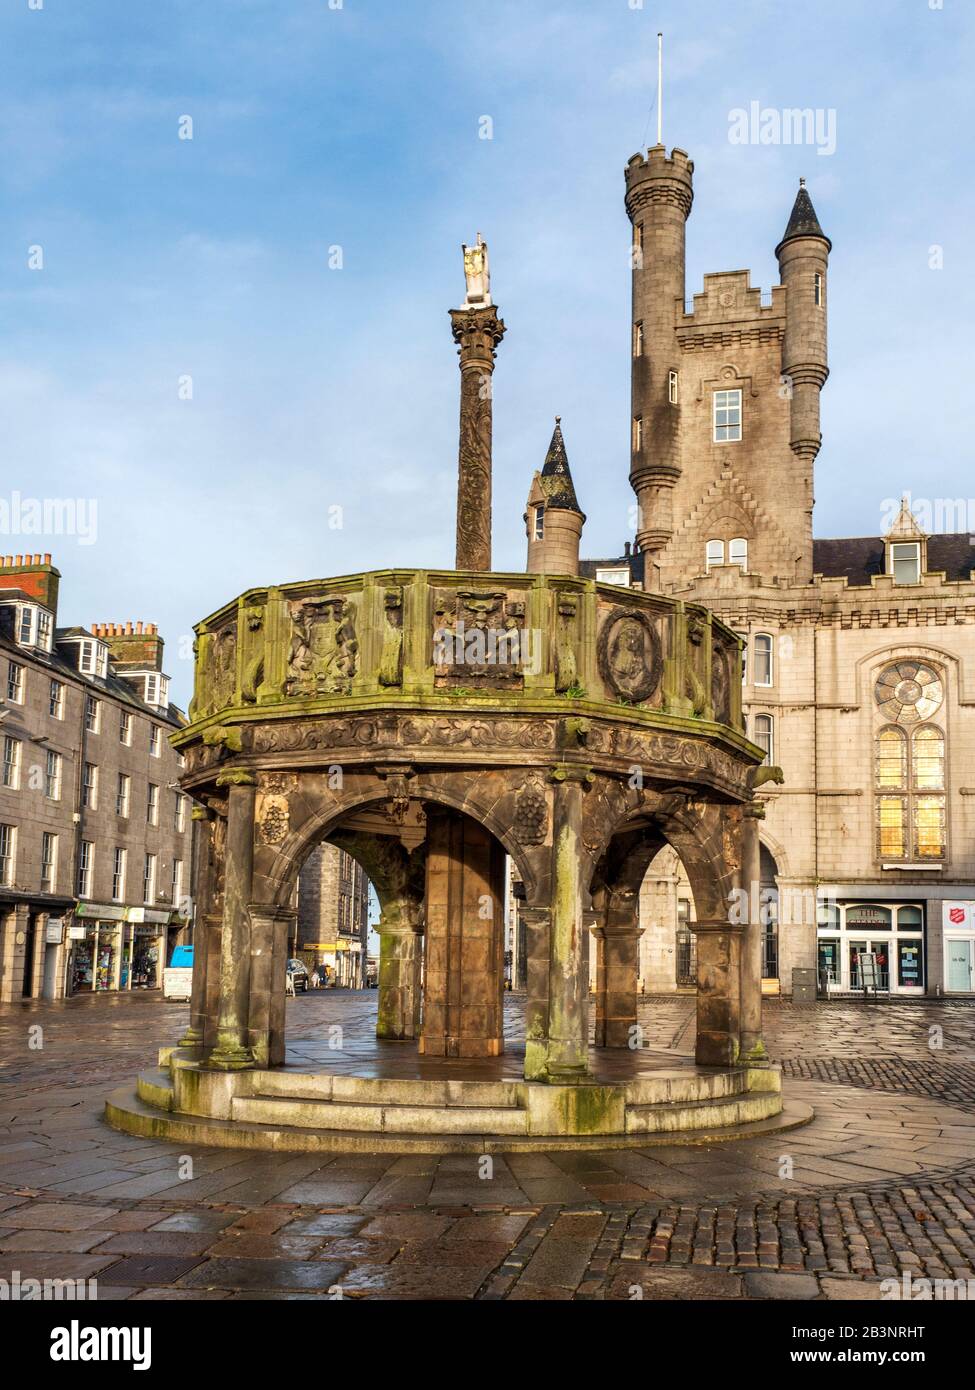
882	1183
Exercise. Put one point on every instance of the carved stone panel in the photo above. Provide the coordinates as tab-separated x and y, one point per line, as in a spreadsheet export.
630	659
324	649
531	811
479	640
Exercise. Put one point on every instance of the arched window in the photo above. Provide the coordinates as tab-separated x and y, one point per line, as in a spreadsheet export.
910	778
738	552
763	658
715	553
765	736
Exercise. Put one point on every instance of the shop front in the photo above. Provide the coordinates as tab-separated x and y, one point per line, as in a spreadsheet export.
875	947
114	948
958	934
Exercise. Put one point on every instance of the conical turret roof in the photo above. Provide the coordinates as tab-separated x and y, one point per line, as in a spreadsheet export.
556	477
803	221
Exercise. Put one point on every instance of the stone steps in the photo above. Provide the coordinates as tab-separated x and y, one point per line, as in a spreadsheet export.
377	1117
680	1117
125	1110
684	1085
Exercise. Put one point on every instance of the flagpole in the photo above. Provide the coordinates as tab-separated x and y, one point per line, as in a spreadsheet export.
660	89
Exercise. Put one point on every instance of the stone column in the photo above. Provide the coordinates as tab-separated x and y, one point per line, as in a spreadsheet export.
538	922
400	957
718	993
232	1051
477	333
752	1043
202	890
271	930
617	970
567	1042
464	971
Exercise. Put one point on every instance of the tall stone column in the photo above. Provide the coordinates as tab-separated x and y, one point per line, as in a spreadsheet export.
752	1043
464	969
400	957
567	1042
202	889
13	953
617	970
231	1051
477	333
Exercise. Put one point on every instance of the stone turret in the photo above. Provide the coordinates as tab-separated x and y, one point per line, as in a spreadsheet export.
803	256
659	195
554	519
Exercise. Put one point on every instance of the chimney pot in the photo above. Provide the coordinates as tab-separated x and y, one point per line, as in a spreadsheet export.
20	559
47	558
138	627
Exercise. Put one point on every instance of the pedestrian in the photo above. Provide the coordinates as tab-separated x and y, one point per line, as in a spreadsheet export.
316	979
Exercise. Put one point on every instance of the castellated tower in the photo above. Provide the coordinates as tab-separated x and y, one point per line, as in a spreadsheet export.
725	397
553	519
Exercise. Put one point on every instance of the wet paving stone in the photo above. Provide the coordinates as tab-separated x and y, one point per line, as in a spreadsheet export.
880	1184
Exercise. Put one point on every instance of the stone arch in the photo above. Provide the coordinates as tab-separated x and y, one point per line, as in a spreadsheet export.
278	871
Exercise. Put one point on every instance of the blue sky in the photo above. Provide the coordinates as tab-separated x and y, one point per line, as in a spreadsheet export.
316	388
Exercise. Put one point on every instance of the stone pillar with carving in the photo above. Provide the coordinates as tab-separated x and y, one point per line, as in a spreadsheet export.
477	333
232	1051
617	969
752	1043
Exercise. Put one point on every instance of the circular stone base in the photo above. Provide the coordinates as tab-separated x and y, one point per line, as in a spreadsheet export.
662	1099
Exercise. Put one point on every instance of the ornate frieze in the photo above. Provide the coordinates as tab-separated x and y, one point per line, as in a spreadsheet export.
479	640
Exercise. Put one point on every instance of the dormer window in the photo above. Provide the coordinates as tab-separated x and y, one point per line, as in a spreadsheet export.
157	689
92	658
618	576
34	626
905	562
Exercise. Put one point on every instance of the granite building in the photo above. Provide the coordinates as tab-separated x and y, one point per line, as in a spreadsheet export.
96	838
333	916
859	652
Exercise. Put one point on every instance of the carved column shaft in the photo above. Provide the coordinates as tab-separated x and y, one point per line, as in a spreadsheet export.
232	1050
477	333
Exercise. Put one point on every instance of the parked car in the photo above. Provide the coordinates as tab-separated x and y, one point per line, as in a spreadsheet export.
298	974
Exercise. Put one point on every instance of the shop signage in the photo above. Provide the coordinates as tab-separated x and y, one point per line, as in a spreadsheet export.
868	916
149	914
103	911
54	931
959	916
76	933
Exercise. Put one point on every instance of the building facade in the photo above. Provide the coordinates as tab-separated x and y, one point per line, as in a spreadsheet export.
859	652
96	838
333	917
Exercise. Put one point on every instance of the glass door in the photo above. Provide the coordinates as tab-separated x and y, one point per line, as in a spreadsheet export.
960	955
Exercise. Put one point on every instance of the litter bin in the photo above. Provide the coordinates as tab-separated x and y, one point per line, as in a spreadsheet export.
803	985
